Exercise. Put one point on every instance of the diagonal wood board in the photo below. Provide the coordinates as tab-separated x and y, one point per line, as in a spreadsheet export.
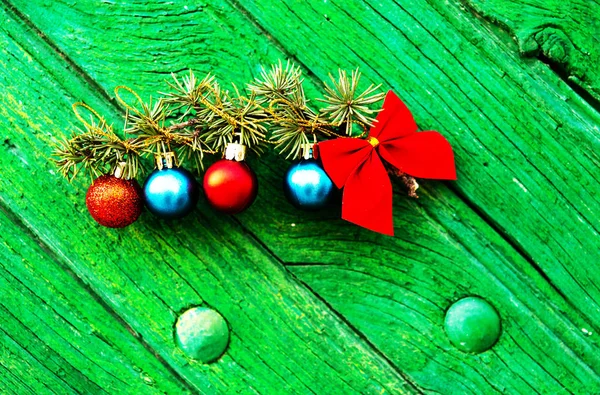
315	305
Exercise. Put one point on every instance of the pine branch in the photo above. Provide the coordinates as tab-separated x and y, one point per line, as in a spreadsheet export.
75	154
344	107
198	116
97	150
281	93
191	146
188	92
220	117
148	121
229	119
294	128
277	83
183	131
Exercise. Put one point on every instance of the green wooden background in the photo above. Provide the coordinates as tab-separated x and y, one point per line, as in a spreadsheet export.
315	305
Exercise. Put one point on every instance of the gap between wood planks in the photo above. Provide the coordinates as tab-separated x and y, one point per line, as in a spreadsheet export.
560	71
15	219
60	260
555	67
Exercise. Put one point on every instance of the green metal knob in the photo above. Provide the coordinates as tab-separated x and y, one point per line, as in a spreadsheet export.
202	334
472	325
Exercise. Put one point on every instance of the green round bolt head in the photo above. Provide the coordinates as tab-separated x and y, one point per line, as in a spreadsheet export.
472	325
202	334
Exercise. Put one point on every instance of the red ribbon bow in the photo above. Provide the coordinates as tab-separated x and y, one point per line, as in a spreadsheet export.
355	164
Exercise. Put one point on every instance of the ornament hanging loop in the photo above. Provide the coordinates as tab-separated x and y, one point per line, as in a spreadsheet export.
76	106
124	103
166	160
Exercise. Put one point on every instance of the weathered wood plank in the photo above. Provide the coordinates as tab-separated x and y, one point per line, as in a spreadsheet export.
509	157
148	274
397	290
528	167
56	338
310	242
563	33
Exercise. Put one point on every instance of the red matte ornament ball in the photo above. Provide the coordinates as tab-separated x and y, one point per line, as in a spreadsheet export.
230	186
114	202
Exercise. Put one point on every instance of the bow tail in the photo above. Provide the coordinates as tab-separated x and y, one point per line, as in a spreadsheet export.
421	155
367	199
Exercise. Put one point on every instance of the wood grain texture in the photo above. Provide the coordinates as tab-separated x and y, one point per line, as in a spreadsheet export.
280	333
565	34
396	292
526	156
56	338
537	152
525	142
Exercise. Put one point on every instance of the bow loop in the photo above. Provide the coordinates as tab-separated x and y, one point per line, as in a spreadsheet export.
355	164
343	155
393	121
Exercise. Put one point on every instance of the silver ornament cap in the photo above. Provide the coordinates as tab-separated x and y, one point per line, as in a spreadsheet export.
235	151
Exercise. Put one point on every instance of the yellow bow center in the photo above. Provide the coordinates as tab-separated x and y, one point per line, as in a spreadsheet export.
373	141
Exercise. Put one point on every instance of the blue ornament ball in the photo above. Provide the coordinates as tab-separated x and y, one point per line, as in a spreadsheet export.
307	186
171	193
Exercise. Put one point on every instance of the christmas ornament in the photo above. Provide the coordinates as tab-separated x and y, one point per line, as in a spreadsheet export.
306	185
198	116
114	202
170	192
229	184
355	164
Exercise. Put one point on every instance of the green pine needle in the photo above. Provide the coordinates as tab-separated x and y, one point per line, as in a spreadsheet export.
344	107
277	83
230	119
198	116
281	92
97	150
188	92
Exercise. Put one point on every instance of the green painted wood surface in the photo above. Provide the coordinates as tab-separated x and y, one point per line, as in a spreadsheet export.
315	305
148	275
56	337
565	34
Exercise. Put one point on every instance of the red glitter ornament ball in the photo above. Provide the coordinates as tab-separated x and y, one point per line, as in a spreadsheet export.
114	202
230	186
